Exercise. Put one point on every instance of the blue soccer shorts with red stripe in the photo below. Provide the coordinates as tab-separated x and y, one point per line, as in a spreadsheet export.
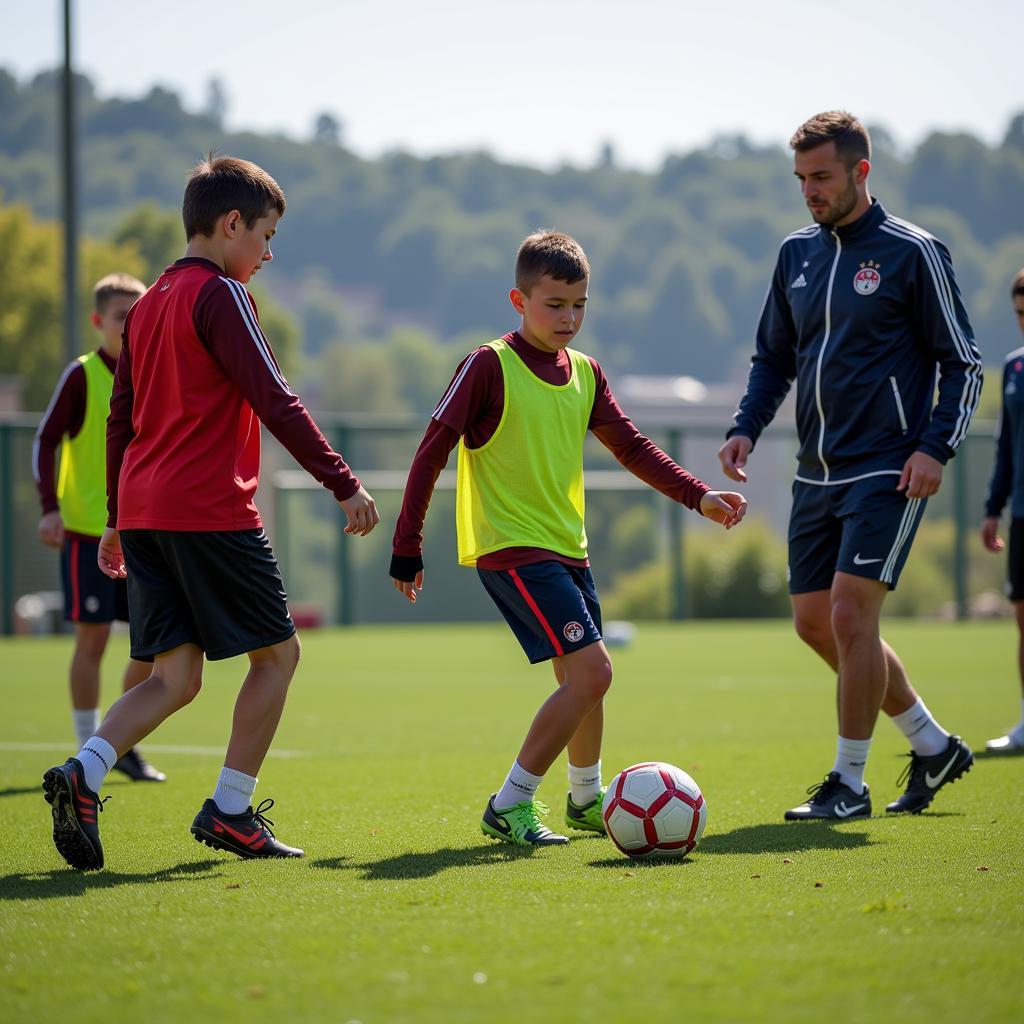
89	595
552	608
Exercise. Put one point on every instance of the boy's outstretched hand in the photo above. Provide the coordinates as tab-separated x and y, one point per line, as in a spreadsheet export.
361	510
409	587
725	507
109	556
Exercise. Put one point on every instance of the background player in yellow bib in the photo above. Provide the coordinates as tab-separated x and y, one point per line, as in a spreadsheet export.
75	510
521	407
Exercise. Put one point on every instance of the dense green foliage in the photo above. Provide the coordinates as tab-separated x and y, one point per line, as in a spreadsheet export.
402	911
681	255
32	344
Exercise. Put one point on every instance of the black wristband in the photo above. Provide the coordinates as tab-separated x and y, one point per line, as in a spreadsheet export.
405	567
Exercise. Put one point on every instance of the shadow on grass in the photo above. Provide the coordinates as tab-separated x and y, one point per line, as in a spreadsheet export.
642	863
63	882
38	789
998	755
786	837
777	837
426	864
21	790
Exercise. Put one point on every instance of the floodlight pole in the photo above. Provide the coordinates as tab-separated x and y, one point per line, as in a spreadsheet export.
70	196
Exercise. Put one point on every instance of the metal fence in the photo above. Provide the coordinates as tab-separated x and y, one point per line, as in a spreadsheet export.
335	579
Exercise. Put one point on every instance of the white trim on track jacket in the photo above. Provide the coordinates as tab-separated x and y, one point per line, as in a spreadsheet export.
863	317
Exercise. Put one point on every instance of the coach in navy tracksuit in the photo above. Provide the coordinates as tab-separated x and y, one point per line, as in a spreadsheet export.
862	310
1008	483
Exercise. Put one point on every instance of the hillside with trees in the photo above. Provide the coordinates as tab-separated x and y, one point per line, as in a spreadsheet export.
406	257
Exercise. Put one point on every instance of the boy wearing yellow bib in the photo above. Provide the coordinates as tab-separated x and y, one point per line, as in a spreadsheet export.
75	510
519	409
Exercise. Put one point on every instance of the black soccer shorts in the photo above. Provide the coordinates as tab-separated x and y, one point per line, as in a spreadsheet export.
219	590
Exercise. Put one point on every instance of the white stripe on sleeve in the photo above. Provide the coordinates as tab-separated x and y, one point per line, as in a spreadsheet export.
241	297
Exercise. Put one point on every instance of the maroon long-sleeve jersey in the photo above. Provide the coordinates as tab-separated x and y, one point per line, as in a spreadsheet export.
195	378
471	408
64	415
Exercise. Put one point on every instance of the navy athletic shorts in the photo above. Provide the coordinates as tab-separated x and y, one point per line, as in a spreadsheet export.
864	528
89	595
1015	561
552	608
220	590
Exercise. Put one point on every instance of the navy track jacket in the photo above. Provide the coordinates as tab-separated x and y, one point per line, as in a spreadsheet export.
1008	472
862	316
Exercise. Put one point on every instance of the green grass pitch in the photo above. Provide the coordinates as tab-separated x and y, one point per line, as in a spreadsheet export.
403	912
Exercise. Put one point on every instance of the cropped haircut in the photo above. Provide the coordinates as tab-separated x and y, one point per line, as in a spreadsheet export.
1017	286
113	285
551	253
220	184
851	137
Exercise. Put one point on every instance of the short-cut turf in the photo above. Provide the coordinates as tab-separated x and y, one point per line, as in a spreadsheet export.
402	911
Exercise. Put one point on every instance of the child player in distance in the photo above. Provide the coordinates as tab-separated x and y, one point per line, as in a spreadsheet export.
75	511
521	407
195	379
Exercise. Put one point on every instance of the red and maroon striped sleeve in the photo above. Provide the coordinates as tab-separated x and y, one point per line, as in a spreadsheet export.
226	320
637	453
64	415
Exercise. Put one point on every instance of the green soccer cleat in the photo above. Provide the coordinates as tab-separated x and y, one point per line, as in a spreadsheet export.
519	824
586	817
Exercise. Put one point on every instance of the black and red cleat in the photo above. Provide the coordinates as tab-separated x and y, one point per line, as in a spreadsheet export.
137	768
247	834
75	808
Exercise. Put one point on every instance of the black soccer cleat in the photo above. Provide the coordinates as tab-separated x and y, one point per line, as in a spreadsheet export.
833	800
75	808
925	776
247	834
137	768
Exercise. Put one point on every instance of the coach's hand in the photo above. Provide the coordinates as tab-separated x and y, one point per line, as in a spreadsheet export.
361	510
725	507
733	456
409	589
109	556
990	534
921	476
51	529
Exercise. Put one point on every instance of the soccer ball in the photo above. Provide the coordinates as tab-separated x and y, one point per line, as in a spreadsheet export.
654	809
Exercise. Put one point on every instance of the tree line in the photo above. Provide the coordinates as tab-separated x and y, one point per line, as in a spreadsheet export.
411	258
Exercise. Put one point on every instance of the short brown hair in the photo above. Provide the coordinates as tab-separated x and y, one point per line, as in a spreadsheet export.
551	253
220	184
851	137
115	285
1017	287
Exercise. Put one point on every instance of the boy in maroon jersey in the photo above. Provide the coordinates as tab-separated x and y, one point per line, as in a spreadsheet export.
195	379
521	407
75	510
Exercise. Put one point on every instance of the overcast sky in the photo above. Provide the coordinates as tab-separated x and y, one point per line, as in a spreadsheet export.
546	81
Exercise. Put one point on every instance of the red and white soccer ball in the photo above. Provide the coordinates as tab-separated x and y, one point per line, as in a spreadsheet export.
654	810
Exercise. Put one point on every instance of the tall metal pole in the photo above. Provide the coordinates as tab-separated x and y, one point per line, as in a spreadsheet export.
677	572
70	188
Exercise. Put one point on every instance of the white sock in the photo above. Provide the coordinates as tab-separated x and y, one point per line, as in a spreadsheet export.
97	757
584	783
86	722
851	756
926	736
234	791
519	785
